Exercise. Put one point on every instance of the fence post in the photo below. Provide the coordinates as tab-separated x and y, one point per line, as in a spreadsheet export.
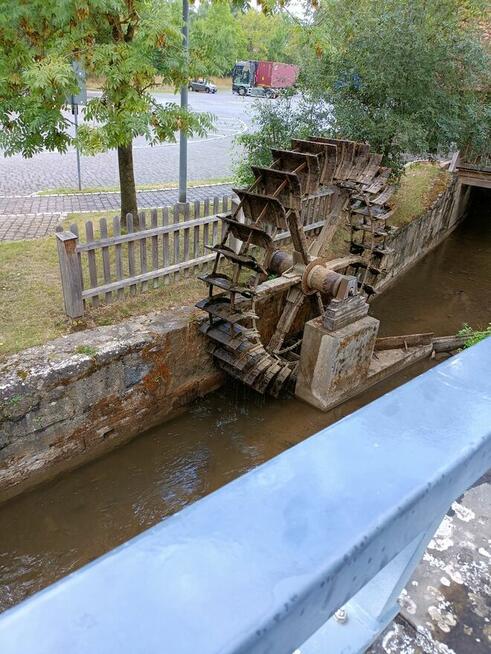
234	243
71	273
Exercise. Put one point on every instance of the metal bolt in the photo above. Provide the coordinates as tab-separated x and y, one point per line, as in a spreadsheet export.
341	616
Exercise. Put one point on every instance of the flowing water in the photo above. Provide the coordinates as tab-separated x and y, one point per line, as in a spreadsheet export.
58	527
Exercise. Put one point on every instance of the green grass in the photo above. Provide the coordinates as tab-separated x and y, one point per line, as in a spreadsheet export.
32	302
30	291
473	335
64	190
222	83
419	187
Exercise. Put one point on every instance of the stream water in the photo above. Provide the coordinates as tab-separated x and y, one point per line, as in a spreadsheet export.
58	527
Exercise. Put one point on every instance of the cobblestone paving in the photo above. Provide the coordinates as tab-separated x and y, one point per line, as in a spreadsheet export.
21	227
210	157
36	216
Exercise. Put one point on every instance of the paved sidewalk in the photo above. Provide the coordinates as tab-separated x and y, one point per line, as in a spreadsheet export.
28	217
28	226
40	204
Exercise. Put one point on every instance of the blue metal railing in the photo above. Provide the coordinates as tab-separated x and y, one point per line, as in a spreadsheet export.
261	565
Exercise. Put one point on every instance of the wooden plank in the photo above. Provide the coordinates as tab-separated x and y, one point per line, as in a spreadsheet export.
226	208
214	233
177	236
106	264
148	233
131	253
407	340
74	230
196	213
89	235
206	228
448	343
165	242
161	272
71	274
186	231
284	235
155	244
118	257
186	256
143	248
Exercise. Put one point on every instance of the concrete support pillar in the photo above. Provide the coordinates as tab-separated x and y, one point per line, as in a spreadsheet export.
334	362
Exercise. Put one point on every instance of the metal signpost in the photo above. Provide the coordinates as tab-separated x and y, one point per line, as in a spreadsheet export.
183	140
79	98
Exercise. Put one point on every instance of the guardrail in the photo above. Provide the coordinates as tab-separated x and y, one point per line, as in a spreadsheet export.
168	243
262	564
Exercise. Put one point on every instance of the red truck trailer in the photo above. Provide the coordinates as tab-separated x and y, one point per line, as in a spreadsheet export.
262	78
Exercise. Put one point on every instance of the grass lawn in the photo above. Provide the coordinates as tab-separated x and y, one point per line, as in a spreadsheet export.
419	187
30	291
222	84
32	302
139	187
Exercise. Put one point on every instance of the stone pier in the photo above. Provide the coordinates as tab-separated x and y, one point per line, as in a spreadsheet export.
336	353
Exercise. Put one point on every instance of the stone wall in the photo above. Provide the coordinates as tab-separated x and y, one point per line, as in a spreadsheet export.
83	393
412	241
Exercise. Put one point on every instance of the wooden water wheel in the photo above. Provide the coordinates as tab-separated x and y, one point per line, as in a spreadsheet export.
344	181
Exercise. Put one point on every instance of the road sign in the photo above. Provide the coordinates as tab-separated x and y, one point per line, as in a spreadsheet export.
81	96
75	100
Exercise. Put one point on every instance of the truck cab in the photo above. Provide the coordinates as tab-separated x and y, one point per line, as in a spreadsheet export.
262	78
243	77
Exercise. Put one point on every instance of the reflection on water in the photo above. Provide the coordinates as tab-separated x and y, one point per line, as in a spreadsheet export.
60	526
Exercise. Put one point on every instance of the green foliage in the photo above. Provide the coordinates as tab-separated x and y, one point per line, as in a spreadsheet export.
404	75
268	36
275	122
222	33
216	39
131	45
474	336
87	350
407	76
115	41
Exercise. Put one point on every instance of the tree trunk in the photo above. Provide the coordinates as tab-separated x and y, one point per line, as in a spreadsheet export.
127	183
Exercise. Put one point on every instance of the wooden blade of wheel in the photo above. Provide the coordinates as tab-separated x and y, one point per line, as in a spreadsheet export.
294	301
331	223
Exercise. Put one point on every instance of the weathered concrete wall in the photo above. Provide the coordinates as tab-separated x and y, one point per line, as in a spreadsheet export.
332	363
411	242
77	396
90	391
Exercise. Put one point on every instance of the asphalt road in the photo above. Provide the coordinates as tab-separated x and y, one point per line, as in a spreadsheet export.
208	158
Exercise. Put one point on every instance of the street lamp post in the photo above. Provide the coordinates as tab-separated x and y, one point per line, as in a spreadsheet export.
183	141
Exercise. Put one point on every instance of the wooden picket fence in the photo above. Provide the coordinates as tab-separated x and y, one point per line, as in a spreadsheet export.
109	261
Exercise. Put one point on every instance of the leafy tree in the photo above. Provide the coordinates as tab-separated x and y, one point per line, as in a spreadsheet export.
130	45
409	76
114	40
216	39
267	36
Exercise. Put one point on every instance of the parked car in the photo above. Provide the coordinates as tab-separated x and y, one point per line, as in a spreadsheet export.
202	85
